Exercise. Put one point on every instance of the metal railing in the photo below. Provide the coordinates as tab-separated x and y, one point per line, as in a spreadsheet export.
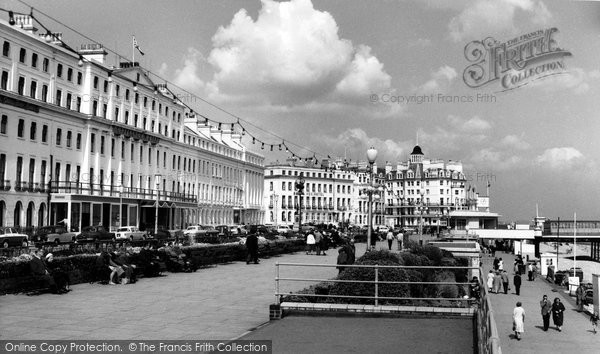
99	189
487	331
376	297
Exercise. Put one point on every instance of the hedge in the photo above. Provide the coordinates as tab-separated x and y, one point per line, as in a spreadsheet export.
15	274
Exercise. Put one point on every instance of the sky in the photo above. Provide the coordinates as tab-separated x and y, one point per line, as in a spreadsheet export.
335	77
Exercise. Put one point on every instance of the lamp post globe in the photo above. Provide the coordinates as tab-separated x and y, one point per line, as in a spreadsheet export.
371	157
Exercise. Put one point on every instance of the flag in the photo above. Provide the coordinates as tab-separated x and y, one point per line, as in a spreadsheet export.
136	46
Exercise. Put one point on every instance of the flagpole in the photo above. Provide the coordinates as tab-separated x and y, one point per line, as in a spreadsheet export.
574	244
132	49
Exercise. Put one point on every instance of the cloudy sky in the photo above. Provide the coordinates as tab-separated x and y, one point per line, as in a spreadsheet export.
322	74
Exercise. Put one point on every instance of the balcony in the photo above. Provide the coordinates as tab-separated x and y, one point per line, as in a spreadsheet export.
113	191
5	185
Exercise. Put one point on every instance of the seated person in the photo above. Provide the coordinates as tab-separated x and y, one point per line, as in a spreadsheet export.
129	269
116	270
149	261
61	277
40	271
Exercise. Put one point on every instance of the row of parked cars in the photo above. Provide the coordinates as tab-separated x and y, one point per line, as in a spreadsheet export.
58	234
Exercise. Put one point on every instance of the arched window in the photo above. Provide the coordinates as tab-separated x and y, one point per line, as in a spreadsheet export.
29	218
17	214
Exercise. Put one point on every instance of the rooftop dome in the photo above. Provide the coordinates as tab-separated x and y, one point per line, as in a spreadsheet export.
417	151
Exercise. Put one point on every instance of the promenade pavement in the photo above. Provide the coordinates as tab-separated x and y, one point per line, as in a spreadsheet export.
219	302
576	336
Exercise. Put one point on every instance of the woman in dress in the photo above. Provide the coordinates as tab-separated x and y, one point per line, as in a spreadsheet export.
558	310
497	282
518	320
490	280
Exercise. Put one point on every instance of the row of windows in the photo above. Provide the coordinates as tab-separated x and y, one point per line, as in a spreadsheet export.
316	187
312	174
6	49
189	165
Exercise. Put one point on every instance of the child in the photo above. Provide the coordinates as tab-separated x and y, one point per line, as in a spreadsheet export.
594	320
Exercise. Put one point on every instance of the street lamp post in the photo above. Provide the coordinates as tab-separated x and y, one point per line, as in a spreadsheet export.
157	178
275	198
121	205
300	190
420	207
371	156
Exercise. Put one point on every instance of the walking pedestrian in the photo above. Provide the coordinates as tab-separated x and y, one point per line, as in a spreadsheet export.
500	264
490	280
496	260
594	320
530	272
504	277
497	282
518	320
252	248
517	283
390	239
318	240
310	243
400	236
558	310
579	297
546	307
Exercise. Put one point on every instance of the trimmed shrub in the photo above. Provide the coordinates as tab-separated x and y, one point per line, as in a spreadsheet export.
368	274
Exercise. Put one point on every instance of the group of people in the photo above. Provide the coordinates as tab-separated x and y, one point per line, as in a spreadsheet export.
498	281
317	242
556	309
390	237
49	273
121	271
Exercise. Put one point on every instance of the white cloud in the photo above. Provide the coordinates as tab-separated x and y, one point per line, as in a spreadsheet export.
355	142
162	71
560	157
440	81
495	159
576	80
188	76
473	125
483	18
291	55
515	142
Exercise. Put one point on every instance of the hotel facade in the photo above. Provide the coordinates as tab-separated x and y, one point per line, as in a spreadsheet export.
86	143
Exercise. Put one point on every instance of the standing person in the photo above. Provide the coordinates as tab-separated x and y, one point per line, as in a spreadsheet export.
496	263
530	272
252	248
517	283
500	264
400	236
324	244
546	307
497	282
504	277
318	240
558	310
342	258
579	297
310	243
490	280
518	320
390	239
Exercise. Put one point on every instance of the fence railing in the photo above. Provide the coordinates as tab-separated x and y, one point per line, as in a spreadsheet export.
465	301
487	332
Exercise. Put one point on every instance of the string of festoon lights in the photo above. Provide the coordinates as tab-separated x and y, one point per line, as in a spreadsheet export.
240	125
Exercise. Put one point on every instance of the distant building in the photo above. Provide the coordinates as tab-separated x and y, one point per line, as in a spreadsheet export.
327	196
434	194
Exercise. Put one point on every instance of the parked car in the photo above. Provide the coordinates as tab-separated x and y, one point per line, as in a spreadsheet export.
283	229
382	229
162	234
9	237
55	234
192	230
223	230
95	234
131	233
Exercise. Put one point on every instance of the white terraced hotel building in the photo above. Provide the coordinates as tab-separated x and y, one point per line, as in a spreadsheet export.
87	143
